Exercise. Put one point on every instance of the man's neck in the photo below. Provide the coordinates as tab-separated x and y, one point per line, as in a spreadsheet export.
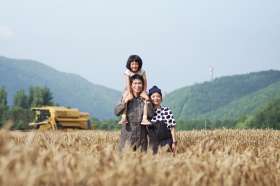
136	95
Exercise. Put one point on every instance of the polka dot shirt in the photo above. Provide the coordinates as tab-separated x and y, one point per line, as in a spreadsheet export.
164	114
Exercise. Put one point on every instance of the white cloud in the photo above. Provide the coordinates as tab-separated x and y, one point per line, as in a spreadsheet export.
6	33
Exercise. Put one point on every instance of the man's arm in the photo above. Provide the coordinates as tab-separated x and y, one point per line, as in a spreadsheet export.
119	109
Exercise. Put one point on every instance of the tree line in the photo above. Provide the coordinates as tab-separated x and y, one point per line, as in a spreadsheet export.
20	111
21	115
267	117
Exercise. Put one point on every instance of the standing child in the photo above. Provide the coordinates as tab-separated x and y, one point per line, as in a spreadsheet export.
134	66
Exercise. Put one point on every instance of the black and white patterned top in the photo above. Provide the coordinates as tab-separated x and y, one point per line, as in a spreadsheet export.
164	114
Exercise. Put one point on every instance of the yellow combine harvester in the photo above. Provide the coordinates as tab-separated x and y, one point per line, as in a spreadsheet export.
51	117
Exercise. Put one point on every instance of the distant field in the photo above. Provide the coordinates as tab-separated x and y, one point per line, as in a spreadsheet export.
219	157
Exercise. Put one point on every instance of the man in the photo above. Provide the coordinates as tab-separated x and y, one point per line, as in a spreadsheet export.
133	133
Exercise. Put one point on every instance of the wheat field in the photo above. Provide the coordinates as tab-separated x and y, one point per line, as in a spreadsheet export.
218	157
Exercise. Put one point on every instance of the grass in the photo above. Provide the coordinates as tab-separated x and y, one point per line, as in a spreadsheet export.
218	157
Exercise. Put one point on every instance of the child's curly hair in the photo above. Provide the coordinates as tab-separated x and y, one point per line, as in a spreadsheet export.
135	58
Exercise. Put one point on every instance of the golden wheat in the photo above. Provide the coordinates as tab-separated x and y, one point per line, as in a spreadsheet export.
219	157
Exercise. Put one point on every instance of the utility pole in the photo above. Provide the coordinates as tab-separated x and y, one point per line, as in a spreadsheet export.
211	70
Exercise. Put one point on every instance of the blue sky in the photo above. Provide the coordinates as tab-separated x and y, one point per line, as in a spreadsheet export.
178	40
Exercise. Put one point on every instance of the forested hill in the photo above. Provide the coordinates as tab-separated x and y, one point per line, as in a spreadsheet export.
227	97
68	89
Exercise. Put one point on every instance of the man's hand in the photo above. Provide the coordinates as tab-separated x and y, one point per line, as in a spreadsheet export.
144	95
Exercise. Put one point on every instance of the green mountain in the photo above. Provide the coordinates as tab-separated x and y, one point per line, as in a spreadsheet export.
267	117
228	97
248	104
68	89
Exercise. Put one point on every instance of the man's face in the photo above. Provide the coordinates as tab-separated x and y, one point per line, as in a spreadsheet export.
137	86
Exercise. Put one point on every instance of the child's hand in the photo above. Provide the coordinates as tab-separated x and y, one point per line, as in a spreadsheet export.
144	95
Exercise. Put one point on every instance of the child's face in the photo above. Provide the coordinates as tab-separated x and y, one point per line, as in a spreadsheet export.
134	66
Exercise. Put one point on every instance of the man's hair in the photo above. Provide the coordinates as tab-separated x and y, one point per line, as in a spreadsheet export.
135	58
136	77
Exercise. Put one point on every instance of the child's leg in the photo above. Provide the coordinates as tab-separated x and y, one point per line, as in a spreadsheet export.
123	116
145	120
